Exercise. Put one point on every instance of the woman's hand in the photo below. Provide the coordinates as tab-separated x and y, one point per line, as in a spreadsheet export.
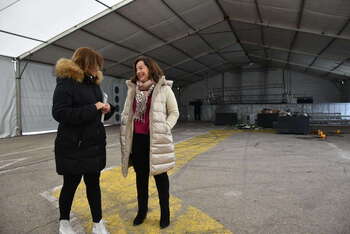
106	108
99	105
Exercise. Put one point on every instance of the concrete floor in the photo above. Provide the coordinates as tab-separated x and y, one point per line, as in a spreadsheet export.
252	182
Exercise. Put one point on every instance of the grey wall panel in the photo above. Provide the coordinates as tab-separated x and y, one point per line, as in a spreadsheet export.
202	88
8	98
321	90
245	111
300	84
37	86
347	90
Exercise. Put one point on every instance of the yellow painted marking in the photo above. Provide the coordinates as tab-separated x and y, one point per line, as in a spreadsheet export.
119	203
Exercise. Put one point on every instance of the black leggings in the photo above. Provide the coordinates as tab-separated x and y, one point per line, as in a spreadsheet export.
93	191
140	161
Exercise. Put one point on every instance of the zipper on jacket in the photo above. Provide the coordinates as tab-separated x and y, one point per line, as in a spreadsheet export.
80	137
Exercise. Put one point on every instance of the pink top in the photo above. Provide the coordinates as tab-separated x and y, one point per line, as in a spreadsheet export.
142	127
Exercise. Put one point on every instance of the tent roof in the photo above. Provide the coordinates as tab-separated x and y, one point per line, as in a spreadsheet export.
25	24
194	39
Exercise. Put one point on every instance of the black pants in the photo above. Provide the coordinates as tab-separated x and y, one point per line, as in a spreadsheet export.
93	191
140	161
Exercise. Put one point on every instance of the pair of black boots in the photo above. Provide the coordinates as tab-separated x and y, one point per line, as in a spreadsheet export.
164	211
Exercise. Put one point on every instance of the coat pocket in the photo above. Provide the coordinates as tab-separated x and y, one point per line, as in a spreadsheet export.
168	128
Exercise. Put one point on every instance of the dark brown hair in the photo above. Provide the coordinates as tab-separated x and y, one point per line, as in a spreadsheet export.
155	72
87	59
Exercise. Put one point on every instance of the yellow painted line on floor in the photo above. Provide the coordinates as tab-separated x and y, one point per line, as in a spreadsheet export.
119	204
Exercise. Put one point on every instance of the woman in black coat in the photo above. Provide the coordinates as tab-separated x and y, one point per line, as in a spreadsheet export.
80	145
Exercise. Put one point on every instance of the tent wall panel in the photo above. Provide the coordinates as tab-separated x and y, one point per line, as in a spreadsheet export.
201	89
37	86
300	84
8	98
347	90
321	90
251	110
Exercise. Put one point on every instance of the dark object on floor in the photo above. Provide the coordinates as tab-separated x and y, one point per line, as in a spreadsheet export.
293	124
226	119
266	120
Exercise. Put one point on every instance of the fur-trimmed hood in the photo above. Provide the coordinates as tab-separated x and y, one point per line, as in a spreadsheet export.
66	68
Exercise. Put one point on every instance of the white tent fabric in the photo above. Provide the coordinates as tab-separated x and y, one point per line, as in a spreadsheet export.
8	98
41	20
38	84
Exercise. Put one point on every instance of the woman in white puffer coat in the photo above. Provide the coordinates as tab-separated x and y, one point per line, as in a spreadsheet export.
150	112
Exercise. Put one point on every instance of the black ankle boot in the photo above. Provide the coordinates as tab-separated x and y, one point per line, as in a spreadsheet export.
140	217
142	209
164	222
164	218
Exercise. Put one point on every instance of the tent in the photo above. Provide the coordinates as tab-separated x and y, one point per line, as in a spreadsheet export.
191	40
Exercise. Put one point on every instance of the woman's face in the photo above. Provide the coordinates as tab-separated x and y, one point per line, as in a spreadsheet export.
142	71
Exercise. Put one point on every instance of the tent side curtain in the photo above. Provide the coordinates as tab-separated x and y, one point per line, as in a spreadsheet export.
8	98
37	86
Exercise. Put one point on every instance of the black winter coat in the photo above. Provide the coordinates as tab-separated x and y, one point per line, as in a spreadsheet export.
80	145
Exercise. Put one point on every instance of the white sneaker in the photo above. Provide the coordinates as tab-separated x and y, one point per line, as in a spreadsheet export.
65	227
99	228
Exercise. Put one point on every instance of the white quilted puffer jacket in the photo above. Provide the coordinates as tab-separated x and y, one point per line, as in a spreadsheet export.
163	116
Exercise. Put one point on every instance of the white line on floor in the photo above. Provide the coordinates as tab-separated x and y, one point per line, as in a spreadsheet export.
9	170
340	151
11	162
36	149
73	219
26	151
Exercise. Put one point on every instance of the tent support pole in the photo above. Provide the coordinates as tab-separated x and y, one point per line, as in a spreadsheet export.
18	99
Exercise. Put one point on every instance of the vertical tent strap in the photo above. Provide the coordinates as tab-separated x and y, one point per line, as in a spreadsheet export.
18	98
19	74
